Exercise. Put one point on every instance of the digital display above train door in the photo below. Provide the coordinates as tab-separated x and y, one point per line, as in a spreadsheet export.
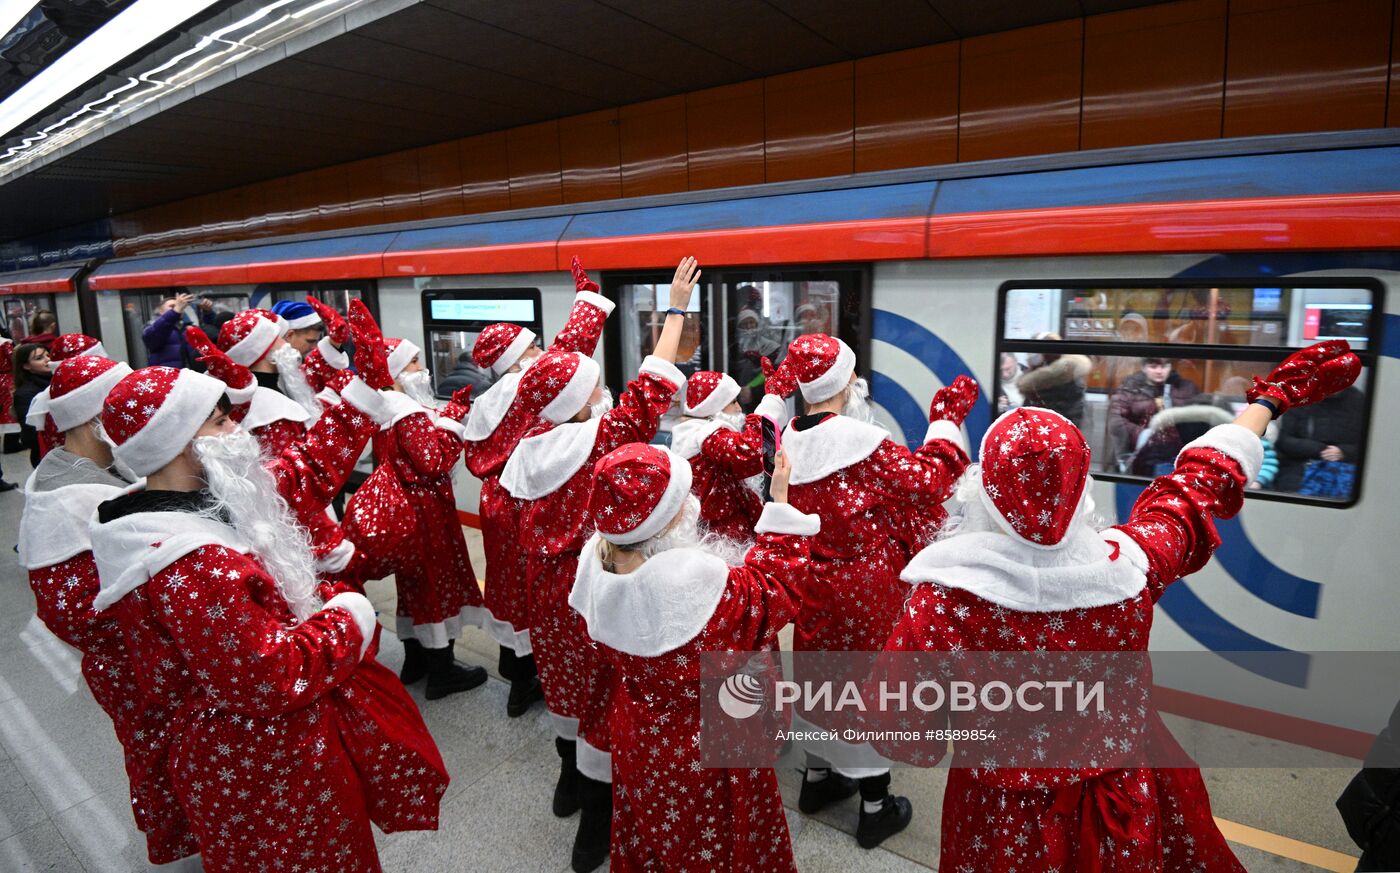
454	318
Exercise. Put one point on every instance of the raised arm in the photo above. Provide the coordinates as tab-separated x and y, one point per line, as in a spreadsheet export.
738	452
777	574
585	325
930	473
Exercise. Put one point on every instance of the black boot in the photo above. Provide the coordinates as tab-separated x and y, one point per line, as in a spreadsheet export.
818	795
566	789
594	825
525	689
892	817
446	676
415	662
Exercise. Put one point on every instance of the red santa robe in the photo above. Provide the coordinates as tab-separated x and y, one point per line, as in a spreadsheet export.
653	625
553	478
494	427
257	746
56	549
989	592
8	422
404	520
324	365
725	464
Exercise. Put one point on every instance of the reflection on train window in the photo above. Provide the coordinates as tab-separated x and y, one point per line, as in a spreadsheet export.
19	312
210	309
1144	370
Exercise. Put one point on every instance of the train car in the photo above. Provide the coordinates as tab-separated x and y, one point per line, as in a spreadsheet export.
1059	281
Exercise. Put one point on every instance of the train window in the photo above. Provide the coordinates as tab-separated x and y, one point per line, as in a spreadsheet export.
734	318
336	295
212	307
1143	369
19	311
453	319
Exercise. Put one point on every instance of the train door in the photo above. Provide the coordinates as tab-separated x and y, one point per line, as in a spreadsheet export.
18	311
736	317
454	318
336	295
211	307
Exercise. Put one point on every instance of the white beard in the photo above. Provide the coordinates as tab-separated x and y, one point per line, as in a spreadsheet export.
246	495
292	379
602	407
858	402
419	387
685	534
731	420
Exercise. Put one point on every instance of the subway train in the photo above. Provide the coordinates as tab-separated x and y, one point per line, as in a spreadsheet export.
1053	280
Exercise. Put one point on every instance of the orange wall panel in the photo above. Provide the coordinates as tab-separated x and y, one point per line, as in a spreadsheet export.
1155	74
532	152
590	157
724	131
399	172
1306	66
485	172
364	193
440	178
906	108
1020	92
809	120
653	140
1392	115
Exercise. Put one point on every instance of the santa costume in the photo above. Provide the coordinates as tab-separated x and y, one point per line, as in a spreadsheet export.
276	419
69	345
493	428
551	472
404	520
725	451
284	743
8	422
872	495
653	624
1026	569
54	547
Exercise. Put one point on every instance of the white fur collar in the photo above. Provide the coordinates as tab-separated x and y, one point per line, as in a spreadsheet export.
269	406
1010	573
834	444
540	465
134	548
489	410
658	608
54	526
690	434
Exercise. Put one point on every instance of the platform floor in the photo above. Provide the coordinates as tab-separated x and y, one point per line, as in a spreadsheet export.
64	805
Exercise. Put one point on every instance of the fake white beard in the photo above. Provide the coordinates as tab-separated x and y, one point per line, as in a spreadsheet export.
685	534
602	407
419	387
246	495
291	379
858	402
731	420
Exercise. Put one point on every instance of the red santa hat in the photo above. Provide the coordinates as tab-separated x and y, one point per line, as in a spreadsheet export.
153	413
499	346
559	384
822	364
76	393
71	345
1034	469
707	393
401	354
249	335
637	491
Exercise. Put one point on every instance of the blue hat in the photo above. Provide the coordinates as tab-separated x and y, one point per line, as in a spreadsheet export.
297	314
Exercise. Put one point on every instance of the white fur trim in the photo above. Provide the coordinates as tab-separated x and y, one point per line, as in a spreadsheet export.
9	427
505	634
593	762
489	410
373	403
336	559
302	323
1235	441
188	864
134	548
38	410
453	427
97	350
596	300
328	397
774	407
857	761
192	397
513	352
657	608
253	347
663	369
54	526
270	406
439	634
836	377
677	490
784	518
540	465
945	430
565	727
689	435
239	396
401	406
723	395
361	610
1014	574
402	355
332	355
832	445
84	403
573	396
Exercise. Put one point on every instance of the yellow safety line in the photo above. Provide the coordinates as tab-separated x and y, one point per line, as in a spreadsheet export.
1285	847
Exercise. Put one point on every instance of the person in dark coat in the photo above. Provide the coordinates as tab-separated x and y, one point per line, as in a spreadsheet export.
1139	398
32	371
1327	431
1370	805
464	374
165	335
1056	382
